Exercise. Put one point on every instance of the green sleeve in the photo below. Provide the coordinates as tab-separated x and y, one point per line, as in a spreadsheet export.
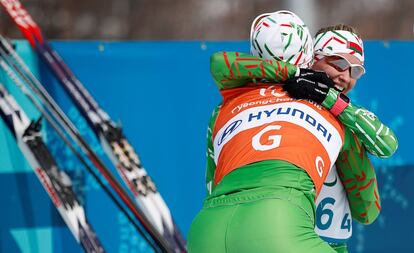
377	138
234	69
211	164
359	180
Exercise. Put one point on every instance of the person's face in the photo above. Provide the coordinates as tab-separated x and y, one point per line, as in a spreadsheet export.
341	76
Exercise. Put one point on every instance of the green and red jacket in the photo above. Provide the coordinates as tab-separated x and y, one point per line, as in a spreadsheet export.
233	69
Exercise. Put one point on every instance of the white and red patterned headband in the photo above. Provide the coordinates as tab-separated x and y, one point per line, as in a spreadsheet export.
339	41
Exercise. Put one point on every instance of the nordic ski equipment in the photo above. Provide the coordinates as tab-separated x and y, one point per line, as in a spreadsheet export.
112	139
56	182
62	135
9	56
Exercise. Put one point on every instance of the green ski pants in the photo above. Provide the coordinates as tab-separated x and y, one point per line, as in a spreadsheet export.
266	220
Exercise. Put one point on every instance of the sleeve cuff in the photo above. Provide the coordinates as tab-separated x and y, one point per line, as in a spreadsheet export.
330	99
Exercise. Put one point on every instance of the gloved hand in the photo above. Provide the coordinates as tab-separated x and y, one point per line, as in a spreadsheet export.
309	84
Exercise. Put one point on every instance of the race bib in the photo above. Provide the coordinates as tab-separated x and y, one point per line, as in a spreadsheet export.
333	215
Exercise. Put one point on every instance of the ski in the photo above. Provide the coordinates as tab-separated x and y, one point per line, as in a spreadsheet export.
62	135
10	59
55	181
111	136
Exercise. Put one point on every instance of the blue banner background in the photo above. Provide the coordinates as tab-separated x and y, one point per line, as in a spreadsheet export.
163	95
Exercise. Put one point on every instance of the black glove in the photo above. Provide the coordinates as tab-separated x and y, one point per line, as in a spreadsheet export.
309	84
315	75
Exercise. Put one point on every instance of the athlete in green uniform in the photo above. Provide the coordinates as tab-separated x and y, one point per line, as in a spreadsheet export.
257	193
364	196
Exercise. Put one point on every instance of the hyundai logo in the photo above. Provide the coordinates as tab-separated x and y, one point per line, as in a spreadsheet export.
230	129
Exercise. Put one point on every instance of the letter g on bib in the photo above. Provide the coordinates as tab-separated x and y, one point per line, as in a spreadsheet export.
276	139
319	165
